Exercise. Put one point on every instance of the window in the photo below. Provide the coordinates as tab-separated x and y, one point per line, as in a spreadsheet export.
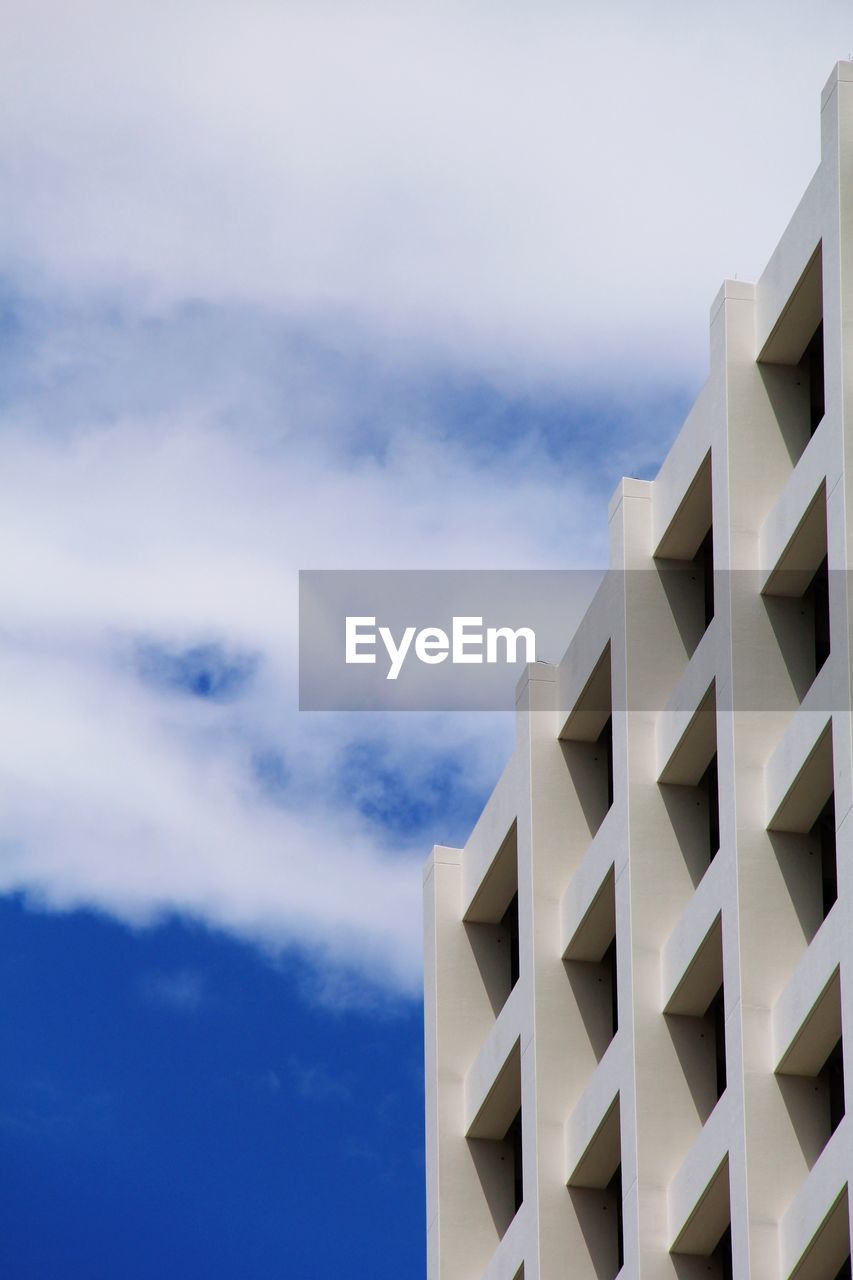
613	1206
703	562
594	983
495	1141
609	965
810	1073
722	1255
685	560
796	596
816	600
491	923
709	804
696	1020
604	756
811	373
717	1029
791	361
822	841
508	938
805	819
587	744
690	788
513	1143
832	1078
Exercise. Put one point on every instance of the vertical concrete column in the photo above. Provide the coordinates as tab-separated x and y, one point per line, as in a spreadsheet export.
765	939
659	1116
461	1233
557	1058
837	150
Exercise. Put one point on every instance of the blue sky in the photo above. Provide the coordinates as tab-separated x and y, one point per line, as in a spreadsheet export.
172	1104
283	286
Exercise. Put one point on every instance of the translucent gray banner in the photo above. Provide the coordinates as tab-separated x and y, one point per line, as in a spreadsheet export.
458	640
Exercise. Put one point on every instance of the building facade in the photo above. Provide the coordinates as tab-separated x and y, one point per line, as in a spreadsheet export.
638	969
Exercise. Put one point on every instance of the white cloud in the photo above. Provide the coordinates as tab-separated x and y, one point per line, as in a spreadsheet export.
551	184
541	194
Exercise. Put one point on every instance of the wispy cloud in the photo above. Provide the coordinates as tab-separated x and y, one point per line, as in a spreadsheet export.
315	1082
148	666
182	991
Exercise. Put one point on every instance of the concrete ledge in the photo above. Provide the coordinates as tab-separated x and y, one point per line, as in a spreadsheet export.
486	855
508	1259
790	292
698	1196
788	264
814	1235
587	909
807	1015
594	704
577	668
790	517
678	489
691	970
686	728
493	1081
798	778
593	1143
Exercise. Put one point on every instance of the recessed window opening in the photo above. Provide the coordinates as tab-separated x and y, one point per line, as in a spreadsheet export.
594	983
613	1203
586	740
816	598
823	837
832	1077
513	1144
704	563
709	786
605	757
722	1255
811	369
689	586
491	923
805	821
495	1143
811	1074
791	362
609	965
509	934
684	557
591	967
717	1018
696	1021
796	596
695	813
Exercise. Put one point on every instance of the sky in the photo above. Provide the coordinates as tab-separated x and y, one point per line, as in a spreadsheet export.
293	286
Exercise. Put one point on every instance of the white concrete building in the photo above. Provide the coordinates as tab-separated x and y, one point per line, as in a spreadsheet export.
638	969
